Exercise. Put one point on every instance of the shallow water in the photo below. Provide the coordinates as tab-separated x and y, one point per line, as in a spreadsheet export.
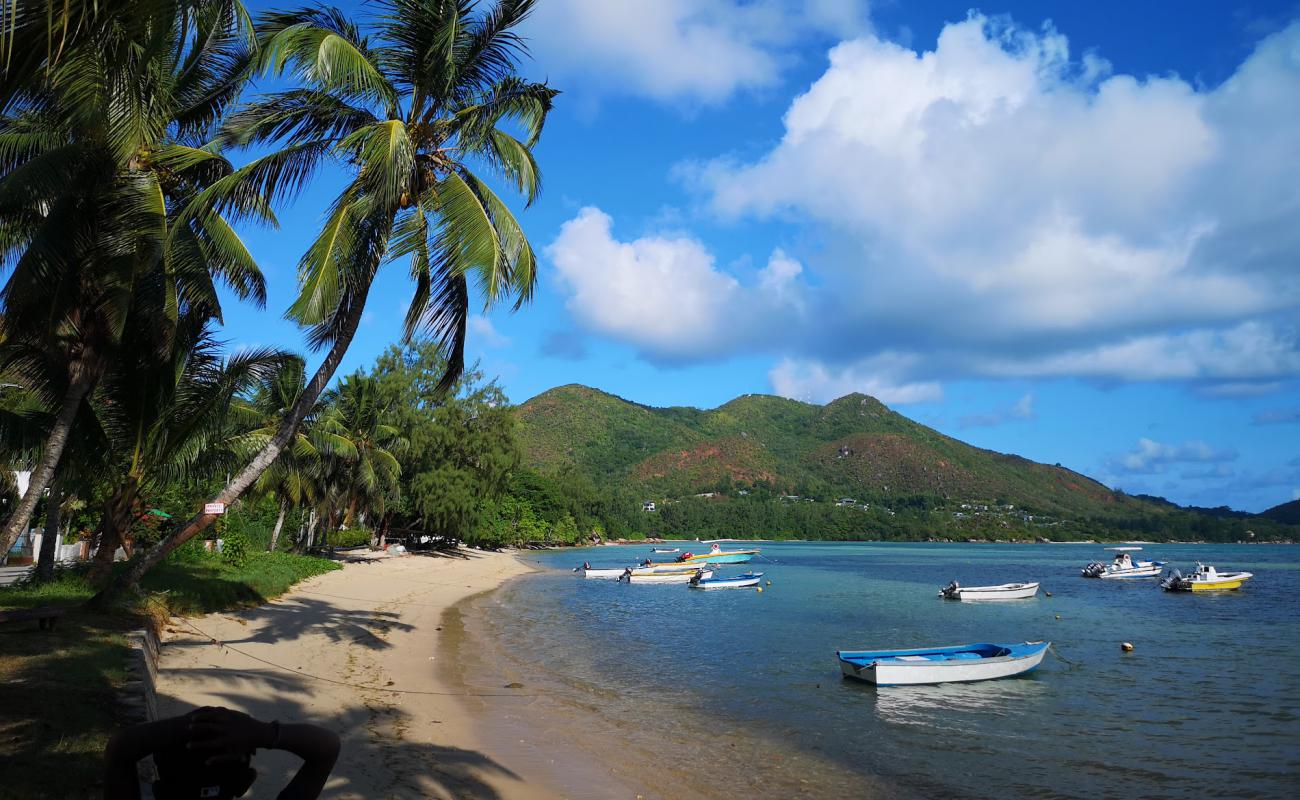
688	693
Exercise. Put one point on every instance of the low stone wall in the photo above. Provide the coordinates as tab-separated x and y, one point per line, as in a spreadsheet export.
139	695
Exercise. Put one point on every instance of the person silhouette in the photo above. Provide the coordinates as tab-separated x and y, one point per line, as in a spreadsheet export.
208	753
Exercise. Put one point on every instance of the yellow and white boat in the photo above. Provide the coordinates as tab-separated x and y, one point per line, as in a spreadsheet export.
1205	579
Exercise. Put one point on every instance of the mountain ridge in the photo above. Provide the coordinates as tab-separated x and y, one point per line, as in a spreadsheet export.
853	447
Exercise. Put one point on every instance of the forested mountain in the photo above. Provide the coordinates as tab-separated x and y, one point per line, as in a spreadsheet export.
758	457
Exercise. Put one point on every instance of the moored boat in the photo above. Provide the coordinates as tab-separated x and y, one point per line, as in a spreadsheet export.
1205	579
737	582
1123	566
641	576
649	566
956	664
665	550
1005	591
588	571
717	555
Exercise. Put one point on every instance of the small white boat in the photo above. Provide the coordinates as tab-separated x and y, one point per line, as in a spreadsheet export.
1205	579
738	582
638	576
665	550
588	571
956	664
1006	591
1123	566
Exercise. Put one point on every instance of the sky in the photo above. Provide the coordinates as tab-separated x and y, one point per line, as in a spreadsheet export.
1069	231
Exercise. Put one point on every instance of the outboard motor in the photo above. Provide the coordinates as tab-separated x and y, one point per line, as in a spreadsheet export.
1093	570
949	591
1174	580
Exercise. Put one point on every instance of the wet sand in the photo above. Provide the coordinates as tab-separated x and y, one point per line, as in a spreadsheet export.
358	651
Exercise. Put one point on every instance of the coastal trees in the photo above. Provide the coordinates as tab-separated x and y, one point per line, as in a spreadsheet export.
416	112
101	150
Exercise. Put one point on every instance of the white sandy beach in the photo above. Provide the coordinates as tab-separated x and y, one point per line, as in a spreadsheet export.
308	656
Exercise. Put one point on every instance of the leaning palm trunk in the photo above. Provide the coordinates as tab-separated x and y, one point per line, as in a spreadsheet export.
113	525
279	523
44	472
240	483
50	539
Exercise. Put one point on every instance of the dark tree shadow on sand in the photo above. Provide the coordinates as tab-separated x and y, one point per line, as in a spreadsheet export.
291	618
374	762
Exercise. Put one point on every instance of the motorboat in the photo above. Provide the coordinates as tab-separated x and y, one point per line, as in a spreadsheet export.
1205	579
1005	591
665	550
956	664
717	555
588	571
738	582
1123	566
640	576
649	566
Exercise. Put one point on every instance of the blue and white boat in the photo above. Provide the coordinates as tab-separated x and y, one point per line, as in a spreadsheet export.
738	582
956	664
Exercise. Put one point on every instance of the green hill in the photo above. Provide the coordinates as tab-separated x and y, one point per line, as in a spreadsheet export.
764	449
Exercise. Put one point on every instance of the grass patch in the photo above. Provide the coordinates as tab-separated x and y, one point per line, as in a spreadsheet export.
209	584
58	702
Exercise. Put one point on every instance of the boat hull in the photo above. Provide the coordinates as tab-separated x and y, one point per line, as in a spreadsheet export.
607	574
665	568
959	664
739	582
1138	573
722	558
1007	591
665	577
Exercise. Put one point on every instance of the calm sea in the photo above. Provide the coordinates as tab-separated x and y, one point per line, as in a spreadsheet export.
682	693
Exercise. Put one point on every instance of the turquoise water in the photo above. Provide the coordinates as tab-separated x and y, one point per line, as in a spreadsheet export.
1208	701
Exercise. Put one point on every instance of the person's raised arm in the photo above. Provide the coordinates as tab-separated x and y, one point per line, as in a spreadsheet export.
223	731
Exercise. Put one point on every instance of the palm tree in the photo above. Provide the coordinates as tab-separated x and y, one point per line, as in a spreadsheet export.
412	114
101	154
366	476
168	420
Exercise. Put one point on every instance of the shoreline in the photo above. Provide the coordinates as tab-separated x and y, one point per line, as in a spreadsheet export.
362	652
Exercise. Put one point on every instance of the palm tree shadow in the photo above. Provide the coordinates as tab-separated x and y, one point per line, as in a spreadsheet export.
375	761
292	618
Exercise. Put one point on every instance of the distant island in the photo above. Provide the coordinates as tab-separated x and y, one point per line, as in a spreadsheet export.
771	467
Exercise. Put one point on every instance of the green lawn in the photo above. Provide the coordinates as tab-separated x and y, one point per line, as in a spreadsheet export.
57	688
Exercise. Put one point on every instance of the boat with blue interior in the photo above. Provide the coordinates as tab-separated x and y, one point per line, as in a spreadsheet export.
737	582
955	664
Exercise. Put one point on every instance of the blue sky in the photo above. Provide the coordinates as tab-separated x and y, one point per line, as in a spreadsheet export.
1063	230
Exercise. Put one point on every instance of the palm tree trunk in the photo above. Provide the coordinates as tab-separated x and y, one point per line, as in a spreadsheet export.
279	523
113	524
44	472
50	539
264	459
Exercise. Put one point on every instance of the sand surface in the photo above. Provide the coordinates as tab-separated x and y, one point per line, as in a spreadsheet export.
310	656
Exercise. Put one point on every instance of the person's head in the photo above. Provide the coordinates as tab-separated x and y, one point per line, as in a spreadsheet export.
184	774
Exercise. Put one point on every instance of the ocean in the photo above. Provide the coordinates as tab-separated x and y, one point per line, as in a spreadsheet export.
671	692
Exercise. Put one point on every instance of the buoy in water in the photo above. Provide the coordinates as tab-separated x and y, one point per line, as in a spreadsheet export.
1127	647
1049	594
760	588
769	583
1058	616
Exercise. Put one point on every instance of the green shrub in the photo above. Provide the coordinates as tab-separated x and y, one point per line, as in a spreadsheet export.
235	547
352	537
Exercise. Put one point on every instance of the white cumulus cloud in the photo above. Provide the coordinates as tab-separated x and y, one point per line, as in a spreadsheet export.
997	208
697	50
815	382
665	294
1151	457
